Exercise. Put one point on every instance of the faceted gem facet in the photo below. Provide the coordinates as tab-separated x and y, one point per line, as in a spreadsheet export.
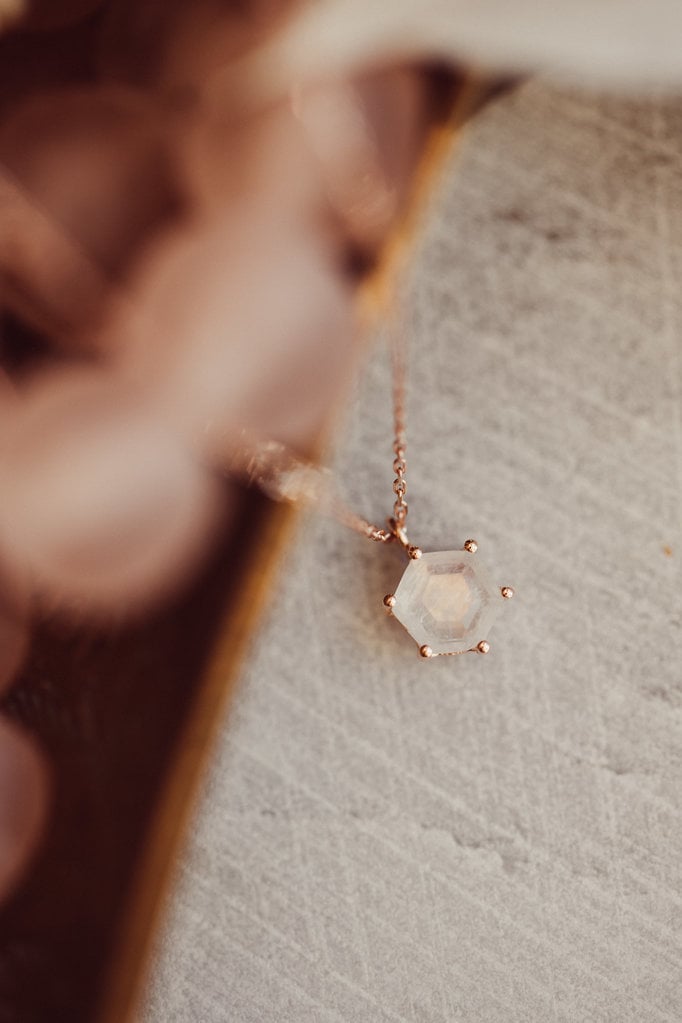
447	601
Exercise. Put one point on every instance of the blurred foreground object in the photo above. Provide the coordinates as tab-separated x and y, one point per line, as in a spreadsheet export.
196	202
174	270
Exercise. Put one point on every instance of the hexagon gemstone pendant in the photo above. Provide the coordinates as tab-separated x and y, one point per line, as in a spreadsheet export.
447	602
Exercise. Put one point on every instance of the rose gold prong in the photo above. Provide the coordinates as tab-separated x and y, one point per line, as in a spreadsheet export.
471	546
426	651
389	601
507	592
483	647
414	552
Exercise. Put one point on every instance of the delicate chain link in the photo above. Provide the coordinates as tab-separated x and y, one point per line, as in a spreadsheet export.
400	507
271	466
284	476
400	439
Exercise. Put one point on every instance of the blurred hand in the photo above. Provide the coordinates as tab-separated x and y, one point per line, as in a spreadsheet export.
185	271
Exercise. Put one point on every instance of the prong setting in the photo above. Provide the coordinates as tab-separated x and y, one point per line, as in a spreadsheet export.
471	546
507	592
446	601
414	552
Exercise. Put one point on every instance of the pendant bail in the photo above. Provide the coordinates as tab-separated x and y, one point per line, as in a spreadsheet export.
399	532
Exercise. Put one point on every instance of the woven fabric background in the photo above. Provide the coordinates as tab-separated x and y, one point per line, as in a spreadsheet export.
388	840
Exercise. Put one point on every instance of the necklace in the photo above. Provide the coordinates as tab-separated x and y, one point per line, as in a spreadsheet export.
445	600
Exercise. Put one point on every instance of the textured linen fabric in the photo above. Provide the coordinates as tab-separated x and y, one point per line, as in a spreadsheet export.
493	838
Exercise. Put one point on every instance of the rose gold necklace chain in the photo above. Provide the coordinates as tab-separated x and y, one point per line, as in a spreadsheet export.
463	582
400	506
284	476
398	360
272	466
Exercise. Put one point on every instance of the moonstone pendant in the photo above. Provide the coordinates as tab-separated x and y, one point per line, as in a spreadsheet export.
447	601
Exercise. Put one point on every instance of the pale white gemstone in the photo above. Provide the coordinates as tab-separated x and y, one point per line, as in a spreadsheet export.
446	600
